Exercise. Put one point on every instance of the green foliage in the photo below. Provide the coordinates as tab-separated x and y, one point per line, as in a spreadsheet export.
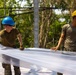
24	22
61	5
55	29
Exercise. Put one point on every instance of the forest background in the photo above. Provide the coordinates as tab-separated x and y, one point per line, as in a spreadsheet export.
50	22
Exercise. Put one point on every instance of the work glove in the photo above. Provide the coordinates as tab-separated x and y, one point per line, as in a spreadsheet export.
21	47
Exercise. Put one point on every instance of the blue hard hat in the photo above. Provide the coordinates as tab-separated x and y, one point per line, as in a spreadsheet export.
8	21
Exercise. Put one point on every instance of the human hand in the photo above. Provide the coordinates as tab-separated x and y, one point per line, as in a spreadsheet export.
21	47
54	48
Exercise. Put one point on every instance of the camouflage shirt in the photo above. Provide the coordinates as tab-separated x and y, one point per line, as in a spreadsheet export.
69	32
8	38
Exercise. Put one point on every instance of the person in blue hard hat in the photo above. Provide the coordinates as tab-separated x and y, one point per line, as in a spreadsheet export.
7	38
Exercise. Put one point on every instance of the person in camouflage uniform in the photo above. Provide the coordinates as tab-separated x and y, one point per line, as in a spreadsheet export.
7	38
68	36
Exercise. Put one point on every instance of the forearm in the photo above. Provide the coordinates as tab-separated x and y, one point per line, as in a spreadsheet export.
20	39
60	40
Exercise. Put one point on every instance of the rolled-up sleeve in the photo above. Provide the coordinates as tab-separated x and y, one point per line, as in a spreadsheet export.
64	28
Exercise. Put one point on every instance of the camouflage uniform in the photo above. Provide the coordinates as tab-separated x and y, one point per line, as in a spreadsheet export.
70	37
69	32
8	39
